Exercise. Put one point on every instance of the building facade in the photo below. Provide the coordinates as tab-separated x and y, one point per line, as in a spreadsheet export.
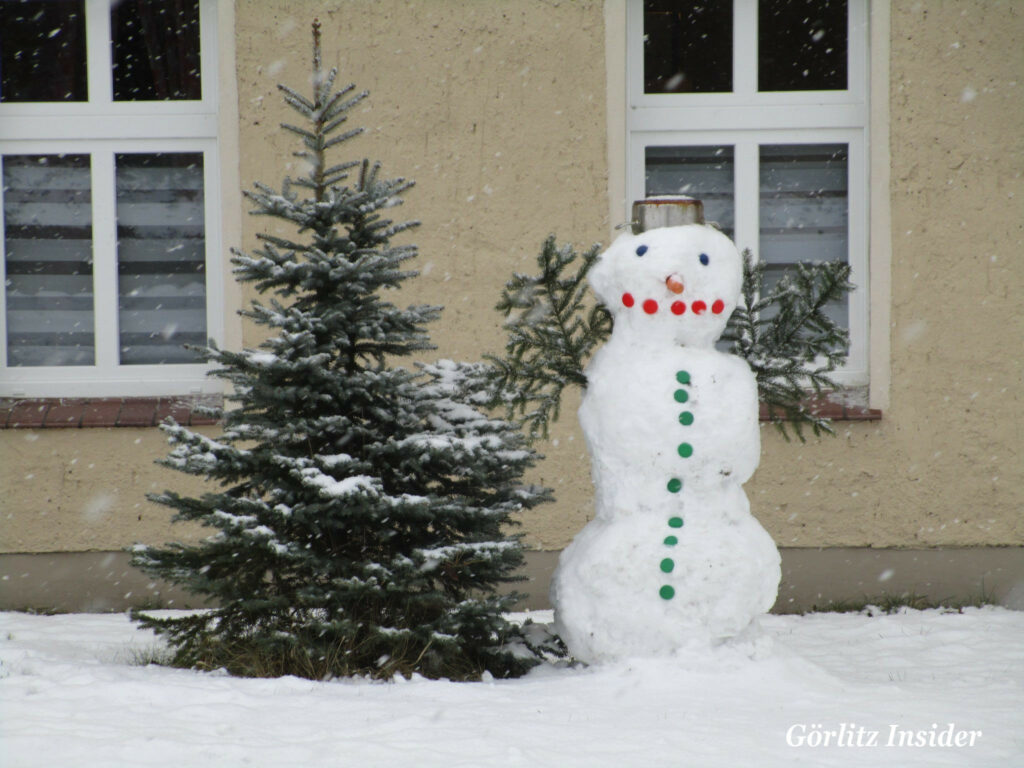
882	132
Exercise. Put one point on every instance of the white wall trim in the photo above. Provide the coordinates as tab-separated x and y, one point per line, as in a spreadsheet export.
880	201
615	84
230	173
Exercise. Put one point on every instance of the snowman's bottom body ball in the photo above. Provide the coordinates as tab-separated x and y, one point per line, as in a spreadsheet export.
620	591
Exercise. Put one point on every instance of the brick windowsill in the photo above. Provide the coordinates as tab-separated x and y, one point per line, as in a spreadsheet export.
77	412
835	410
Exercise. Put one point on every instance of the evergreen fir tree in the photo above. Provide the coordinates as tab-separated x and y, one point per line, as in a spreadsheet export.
363	510
784	334
788	339
551	337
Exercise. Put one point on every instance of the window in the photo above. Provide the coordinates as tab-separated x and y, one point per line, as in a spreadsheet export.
108	205
759	109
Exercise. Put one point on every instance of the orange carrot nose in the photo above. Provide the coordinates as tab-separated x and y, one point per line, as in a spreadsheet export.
674	283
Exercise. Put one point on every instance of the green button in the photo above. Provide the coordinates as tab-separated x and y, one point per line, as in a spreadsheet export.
686	418
681	396
666	592
683	377
671	541
675	522
675	485
685	450
667	565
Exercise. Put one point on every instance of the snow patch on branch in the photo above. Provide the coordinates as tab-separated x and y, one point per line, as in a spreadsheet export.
261	358
334	488
472	444
241	521
330	461
269	536
432	558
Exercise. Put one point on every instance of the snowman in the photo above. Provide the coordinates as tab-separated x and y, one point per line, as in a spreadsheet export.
673	556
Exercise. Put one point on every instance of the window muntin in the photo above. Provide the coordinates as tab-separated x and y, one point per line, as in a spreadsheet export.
140	318
688	46
824	84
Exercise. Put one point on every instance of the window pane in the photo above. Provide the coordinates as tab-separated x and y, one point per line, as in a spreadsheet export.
804	208
706	173
47	212
687	46
801	45
161	262
42	51
155	49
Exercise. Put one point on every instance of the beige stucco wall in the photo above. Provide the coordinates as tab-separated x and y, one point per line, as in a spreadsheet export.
945	465
85	489
498	111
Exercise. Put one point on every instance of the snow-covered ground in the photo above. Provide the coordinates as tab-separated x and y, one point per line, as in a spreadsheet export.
74	693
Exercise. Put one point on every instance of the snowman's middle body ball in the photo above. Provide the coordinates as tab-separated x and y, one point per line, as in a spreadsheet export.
673	555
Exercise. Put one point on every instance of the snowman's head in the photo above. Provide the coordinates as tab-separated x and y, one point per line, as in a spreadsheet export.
675	282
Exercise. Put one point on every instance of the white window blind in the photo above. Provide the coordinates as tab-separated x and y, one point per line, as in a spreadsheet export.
804	209
47	216
161	256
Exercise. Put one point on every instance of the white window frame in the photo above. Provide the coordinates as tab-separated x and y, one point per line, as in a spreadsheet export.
745	119
102	128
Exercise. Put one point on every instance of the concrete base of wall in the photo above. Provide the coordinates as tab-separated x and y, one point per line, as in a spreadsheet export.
818	578
104	581
82	582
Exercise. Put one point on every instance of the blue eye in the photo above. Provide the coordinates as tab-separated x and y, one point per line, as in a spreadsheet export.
704	259
641	250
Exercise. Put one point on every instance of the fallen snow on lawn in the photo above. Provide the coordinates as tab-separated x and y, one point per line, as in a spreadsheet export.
73	693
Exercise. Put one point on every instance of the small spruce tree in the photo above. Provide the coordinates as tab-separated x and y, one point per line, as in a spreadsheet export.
791	344
551	334
361	521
